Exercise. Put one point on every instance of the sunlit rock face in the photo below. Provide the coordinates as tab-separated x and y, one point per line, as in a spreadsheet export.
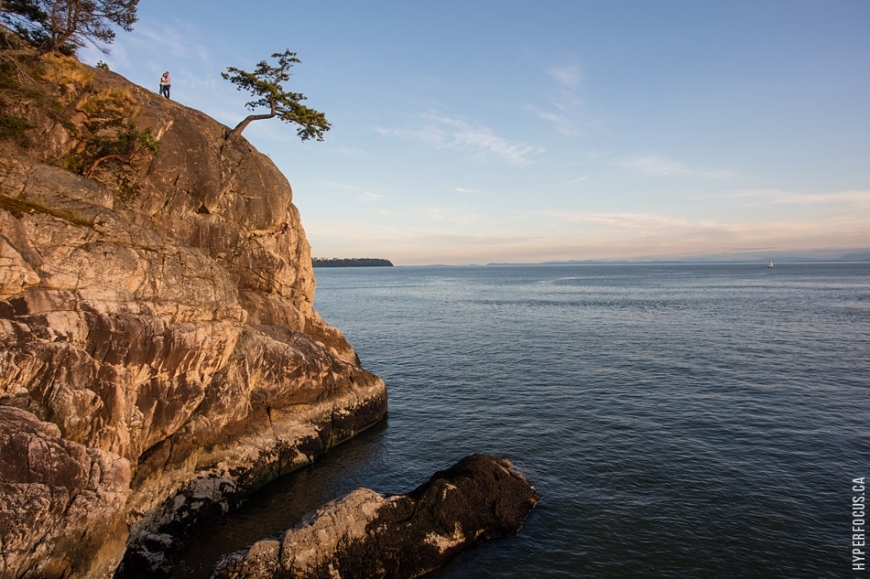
159	353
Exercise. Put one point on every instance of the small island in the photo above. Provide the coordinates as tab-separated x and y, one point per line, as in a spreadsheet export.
350	262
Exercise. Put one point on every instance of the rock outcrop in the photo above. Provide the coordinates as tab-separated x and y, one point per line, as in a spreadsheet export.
366	535
160	357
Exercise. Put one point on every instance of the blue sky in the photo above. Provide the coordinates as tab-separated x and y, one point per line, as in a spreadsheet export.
527	131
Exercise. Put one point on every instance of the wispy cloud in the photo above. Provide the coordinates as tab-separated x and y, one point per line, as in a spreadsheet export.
625	221
362	194
453	133
578	180
780	197
177	39
463	190
662	166
844	230
339	185
569	75
565	103
368	197
422	219
460	215
562	121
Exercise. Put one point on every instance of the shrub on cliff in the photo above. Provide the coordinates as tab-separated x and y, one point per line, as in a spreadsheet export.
65	112
111	133
12	127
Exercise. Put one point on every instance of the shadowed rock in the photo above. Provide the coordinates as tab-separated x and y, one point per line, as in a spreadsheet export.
369	535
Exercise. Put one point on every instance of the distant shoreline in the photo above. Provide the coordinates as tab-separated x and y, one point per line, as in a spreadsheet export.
350	262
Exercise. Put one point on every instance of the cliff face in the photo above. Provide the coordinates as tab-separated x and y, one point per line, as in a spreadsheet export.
159	353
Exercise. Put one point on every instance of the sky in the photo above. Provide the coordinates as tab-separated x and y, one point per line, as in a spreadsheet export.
524	131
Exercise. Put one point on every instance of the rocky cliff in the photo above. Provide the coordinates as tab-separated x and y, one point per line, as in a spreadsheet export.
159	354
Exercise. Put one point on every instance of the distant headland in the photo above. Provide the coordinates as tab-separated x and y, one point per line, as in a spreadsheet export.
350	262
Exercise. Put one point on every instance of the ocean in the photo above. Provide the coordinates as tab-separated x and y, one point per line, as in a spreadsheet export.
677	420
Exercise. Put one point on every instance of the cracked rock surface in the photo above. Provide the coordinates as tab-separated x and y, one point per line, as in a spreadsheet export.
160	357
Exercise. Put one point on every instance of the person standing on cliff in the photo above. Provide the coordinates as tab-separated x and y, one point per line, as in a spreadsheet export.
165	82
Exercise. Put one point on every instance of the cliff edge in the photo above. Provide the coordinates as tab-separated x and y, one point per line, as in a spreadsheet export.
160	357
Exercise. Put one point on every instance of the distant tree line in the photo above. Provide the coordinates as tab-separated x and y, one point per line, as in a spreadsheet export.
350	262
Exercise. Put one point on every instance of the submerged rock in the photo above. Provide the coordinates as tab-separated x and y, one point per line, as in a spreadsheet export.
370	535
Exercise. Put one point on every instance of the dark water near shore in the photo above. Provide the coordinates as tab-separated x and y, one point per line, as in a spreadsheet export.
678	421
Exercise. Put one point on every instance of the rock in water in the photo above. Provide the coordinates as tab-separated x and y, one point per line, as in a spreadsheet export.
369	535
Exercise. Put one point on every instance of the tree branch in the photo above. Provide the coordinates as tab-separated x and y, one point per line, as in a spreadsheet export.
100	160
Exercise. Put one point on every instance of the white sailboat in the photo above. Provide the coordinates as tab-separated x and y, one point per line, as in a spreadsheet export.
770	265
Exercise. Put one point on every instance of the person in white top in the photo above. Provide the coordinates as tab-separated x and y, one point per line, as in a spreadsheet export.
165	82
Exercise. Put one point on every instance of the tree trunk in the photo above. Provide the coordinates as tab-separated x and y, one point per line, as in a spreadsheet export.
101	159
273	111
241	126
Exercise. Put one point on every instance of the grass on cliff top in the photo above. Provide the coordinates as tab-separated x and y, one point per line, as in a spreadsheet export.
60	70
20	207
106	143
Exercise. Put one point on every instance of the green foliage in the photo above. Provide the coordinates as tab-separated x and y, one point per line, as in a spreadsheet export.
65	25
11	71
126	145
129	141
110	133
22	92
13	127
266	83
115	153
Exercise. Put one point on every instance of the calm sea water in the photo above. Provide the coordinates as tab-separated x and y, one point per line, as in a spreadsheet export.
678	421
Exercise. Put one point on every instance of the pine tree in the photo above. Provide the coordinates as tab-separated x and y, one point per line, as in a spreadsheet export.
64	25
266	82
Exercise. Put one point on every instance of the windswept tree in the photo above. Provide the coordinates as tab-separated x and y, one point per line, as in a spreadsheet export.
266	83
64	25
